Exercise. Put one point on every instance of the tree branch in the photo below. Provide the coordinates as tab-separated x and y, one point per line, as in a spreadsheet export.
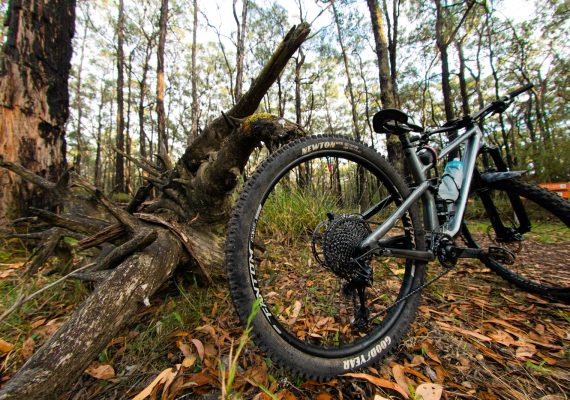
213	135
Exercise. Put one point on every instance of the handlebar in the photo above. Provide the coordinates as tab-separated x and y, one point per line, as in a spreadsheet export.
520	90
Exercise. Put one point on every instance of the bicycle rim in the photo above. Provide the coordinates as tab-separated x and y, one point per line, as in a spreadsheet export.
304	297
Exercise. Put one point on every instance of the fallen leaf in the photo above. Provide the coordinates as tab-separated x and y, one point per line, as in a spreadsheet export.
380	383
287	395
163	377
214	309
466	332
188	361
104	371
429	391
5	346
35	324
28	348
199	348
210	350
185	349
525	352
400	378
7	273
430	351
378	397
211	331
296	311
324	396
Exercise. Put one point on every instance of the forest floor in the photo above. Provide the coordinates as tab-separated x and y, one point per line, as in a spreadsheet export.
475	336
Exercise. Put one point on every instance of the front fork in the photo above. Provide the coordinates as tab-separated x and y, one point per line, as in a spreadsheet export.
504	234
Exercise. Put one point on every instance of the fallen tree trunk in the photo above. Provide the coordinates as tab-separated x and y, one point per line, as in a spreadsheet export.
144	244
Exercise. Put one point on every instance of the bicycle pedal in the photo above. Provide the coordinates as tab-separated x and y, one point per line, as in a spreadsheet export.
501	255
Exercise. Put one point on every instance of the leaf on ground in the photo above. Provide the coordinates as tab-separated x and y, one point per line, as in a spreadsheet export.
464	332
185	349
28	348
400	378
99	371
188	361
199	348
380	383
430	351
201	379
287	395
37	323
210	350
325	396
163	377
210	329
5	346
429	391
525	352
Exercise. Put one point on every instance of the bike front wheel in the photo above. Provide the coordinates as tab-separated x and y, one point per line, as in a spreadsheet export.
541	262
290	239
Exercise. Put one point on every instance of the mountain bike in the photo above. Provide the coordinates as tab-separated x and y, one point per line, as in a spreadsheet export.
331	239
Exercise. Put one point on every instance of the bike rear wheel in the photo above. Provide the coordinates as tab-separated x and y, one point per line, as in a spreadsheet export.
298	215
542	258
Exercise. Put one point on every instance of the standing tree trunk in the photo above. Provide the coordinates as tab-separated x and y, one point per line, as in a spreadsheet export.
160	86
128	183
462	82
194	132
443	44
79	102
120	162
348	79
98	169
34	98
393	44
395	154
240	54
142	89
200	189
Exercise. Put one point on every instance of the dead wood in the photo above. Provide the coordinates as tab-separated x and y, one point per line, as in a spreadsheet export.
115	257
188	222
108	234
64	357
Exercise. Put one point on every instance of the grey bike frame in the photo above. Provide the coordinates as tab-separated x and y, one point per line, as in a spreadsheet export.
426	192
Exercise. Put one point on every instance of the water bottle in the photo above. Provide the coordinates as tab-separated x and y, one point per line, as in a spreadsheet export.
452	180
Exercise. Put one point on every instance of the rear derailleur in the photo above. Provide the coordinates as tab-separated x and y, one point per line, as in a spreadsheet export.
357	286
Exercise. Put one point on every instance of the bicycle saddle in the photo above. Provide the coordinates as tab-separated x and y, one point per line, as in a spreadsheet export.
381	123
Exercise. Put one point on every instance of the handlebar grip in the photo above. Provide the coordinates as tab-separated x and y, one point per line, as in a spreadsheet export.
520	90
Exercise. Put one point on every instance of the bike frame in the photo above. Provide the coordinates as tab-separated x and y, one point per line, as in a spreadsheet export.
425	190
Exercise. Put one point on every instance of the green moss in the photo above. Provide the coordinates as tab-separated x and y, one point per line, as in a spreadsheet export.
255	117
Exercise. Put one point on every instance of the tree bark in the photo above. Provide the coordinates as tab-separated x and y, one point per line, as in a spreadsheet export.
200	186
119	160
160	86
34	98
